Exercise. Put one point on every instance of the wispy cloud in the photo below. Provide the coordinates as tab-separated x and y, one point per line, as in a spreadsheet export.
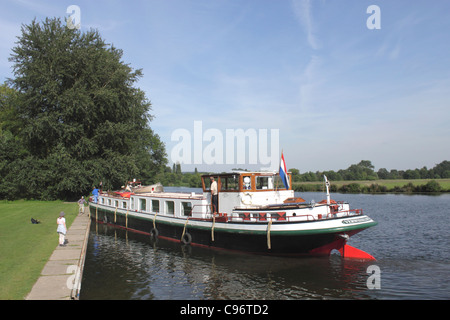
303	12
310	77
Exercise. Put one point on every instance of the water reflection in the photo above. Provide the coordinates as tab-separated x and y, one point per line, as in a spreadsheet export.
410	244
125	265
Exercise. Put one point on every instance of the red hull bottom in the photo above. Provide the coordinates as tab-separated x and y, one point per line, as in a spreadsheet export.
346	251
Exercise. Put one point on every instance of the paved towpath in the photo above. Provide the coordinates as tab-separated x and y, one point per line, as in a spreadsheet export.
61	277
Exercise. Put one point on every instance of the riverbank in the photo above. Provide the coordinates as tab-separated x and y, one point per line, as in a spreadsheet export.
25	248
61	277
379	186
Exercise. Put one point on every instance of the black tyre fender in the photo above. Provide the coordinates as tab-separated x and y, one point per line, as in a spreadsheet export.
154	233
187	238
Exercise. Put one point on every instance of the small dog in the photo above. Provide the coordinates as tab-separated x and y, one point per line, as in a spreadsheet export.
34	221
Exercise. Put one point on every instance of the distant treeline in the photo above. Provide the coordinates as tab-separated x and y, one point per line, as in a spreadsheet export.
364	170
431	186
174	177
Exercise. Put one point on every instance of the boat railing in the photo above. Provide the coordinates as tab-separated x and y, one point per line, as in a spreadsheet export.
345	213
281	216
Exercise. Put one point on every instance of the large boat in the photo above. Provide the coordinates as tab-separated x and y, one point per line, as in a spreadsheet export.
256	213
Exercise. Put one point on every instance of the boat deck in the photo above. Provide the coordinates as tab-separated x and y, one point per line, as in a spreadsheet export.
173	195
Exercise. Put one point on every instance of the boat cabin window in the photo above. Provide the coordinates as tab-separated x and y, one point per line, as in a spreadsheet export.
155	206
109	201
264	183
229	183
244	182
247	183
186	208
116	203
143	205
206	181
170	207
124	205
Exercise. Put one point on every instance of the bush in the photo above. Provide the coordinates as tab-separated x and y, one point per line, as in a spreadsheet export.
351	188
431	186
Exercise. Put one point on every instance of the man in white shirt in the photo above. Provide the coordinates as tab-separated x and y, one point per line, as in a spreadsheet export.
214	195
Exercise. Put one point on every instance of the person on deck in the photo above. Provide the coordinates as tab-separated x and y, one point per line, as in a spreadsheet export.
95	194
214	195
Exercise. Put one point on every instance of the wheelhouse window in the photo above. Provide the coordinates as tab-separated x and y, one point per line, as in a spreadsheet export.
206	181
247	183
244	182
229	183
264	183
186	208
155	206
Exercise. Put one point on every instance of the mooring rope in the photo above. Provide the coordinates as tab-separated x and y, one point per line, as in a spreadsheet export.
184	229
154	218
268	234
212	229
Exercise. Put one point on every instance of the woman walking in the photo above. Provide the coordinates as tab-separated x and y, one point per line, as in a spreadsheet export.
61	222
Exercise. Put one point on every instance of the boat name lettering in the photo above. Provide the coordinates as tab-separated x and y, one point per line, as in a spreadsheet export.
357	220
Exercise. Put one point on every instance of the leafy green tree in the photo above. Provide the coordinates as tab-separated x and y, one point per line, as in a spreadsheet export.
394	174
83	119
442	169
361	171
383	173
8	117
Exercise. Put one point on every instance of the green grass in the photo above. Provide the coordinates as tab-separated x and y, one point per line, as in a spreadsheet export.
389	184
25	247
444	183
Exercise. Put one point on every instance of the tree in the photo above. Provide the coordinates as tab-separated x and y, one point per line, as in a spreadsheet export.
442	169
8	118
383	173
83	119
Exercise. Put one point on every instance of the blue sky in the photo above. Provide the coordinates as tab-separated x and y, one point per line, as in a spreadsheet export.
337	91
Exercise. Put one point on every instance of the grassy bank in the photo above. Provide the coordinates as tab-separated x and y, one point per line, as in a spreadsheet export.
26	247
379	186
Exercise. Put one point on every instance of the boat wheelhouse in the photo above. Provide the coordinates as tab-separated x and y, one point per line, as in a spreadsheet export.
256	213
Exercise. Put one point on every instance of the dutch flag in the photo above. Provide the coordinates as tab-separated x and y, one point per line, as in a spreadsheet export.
283	172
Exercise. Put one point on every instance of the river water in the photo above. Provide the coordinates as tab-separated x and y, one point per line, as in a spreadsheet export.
411	244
